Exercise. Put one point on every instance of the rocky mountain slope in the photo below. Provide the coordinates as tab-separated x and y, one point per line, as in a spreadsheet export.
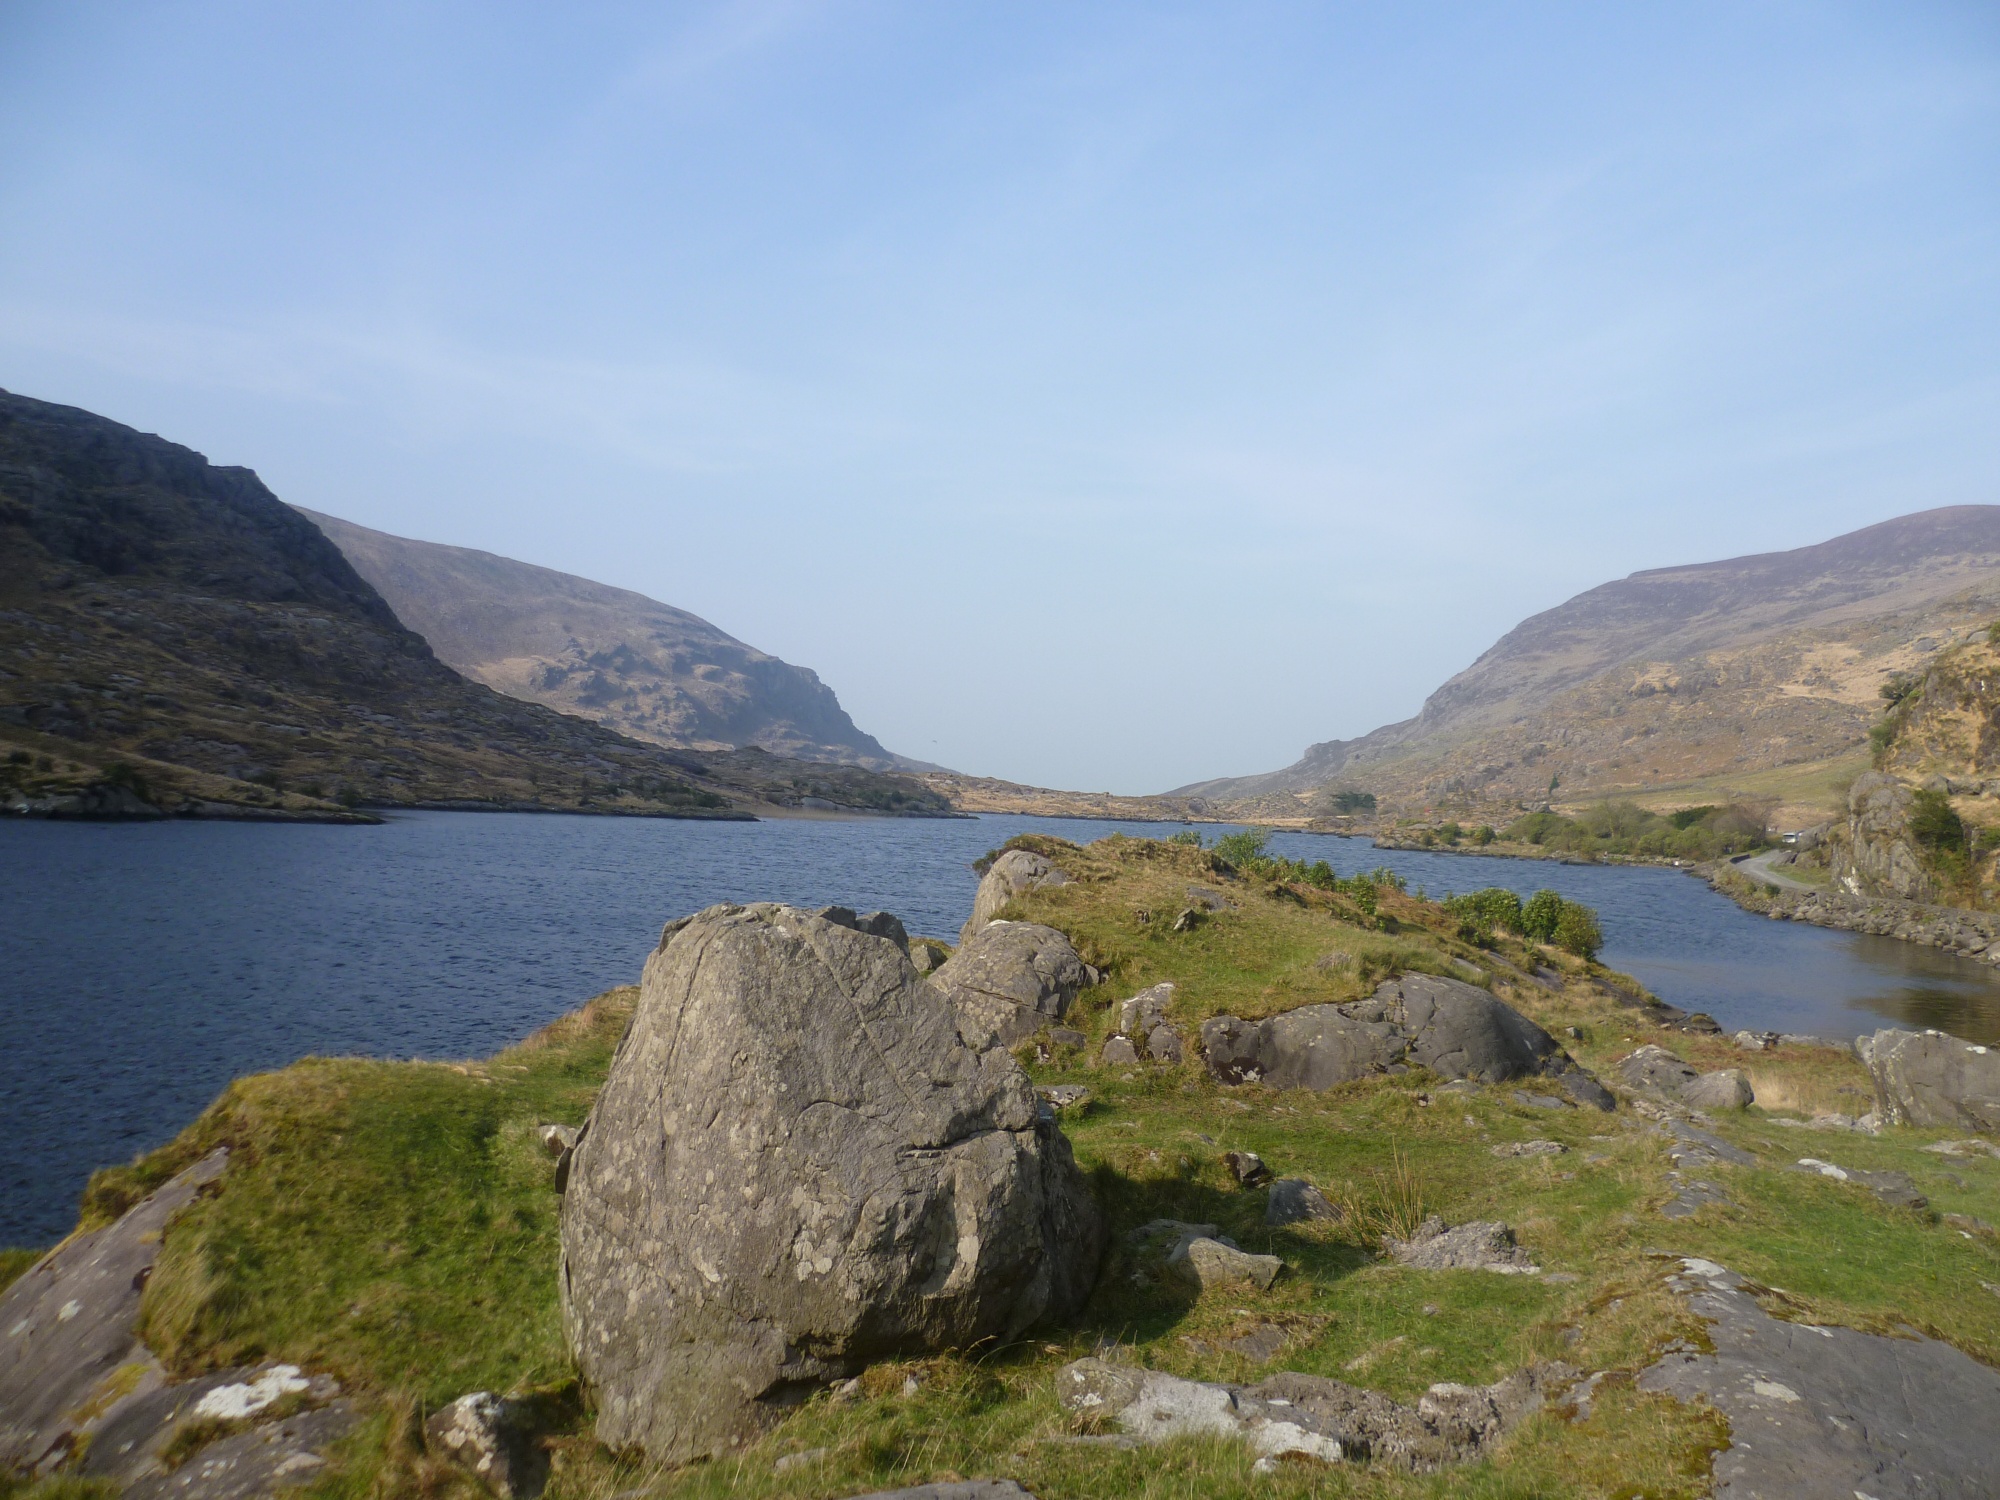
173	633
1676	674
631	663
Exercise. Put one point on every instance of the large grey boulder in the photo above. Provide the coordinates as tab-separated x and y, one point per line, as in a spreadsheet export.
1873	853
1725	1088
1656	1070
1014	873
1929	1078
1453	1028
1010	979
795	1167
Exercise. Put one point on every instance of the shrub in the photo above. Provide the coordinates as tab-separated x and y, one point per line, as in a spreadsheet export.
1483	835
1492	907
1348	801
1577	930
1540	915
1245	848
1187	837
1935	824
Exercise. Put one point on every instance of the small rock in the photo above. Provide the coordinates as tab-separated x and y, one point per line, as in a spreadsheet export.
1293	1200
1062	1036
1145	1011
1431	1309
1260	1343
1206	899
799	1460
1530	1148
1164	1043
1118	1052
1656	1070
1064	1095
1218	1262
927	957
1726	1088
1756	1041
557	1139
1892	1189
491	1438
1249	1168
1541	1101
1189	919
954	1489
1470	1247
912	1384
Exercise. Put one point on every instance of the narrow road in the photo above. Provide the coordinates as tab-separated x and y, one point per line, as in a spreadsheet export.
1759	867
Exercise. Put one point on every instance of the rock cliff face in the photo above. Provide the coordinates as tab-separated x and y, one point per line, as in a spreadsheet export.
797	1166
1680	673
628	662
1871	853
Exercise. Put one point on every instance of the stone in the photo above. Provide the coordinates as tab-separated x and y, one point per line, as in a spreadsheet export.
1829	1411
1540	1101
1892	1189
1455	1029
1470	1247
1529	1148
1261	1343
1929	1078
1146	1010
1293	1200
1248	1168
1725	1088
1756	1041
1063	1095
1656	1070
68	1325
927	957
1873	853
1206	899
1189	919
1014	873
270	1458
1010	979
954	1489
1210	1263
1163	1044
556	1139
1974	1147
492	1439
1118	1052
1063	1036
1309	1417
797	1166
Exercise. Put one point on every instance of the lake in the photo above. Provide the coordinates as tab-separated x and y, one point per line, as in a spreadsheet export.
143	966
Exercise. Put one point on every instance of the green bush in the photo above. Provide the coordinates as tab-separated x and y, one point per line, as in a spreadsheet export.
1935	825
1243	848
1540	915
1483	835
1187	837
1577	930
1491	907
1348	801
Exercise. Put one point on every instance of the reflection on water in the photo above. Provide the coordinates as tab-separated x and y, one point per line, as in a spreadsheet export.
143	967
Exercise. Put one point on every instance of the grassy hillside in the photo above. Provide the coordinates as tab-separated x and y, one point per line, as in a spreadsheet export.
395	1223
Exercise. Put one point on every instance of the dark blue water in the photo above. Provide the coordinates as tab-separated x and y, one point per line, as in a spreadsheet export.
142	967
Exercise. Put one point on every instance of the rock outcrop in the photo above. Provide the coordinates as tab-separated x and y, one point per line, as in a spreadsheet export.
1872	853
1929	1078
1292	1416
1010	979
1436	1246
1451	1027
1656	1071
797	1166
1293	1200
1015	872
80	1393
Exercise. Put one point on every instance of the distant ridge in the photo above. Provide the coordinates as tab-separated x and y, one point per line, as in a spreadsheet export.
1674	673
631	663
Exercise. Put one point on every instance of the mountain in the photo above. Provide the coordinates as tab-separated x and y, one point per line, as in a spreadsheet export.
171	630
632	663
1676	675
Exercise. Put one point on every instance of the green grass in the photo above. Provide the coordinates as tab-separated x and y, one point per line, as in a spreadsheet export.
395	1223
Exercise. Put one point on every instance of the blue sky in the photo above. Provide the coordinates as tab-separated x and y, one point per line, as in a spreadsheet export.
1102	396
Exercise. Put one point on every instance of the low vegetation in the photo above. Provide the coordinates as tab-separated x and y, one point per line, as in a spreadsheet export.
1626	829
395	1223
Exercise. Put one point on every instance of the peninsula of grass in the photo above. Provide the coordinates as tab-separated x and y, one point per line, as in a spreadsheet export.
395	1224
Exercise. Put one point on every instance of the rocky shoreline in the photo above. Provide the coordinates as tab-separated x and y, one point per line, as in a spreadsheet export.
1970	934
